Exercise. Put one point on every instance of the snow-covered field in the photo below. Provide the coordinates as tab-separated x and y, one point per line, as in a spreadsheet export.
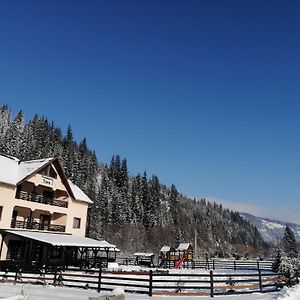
35	292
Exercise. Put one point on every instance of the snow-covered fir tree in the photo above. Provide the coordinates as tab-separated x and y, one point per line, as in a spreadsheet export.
286	259
277	260
289	243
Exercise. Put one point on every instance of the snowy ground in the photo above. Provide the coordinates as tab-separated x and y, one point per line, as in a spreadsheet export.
36	292
49	292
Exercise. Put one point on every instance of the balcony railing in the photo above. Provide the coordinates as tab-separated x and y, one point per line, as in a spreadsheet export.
40	199
37	226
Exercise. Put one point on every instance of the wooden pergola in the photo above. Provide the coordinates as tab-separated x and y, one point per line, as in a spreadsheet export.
45	249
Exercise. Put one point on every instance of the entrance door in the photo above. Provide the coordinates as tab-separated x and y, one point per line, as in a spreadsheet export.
44	222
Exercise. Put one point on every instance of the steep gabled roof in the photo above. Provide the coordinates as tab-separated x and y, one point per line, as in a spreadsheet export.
13	172
30	167
78	193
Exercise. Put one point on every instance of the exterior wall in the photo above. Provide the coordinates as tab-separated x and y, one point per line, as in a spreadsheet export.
77	209
7	198
58	219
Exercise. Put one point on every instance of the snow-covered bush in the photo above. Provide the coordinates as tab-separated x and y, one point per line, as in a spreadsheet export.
289	266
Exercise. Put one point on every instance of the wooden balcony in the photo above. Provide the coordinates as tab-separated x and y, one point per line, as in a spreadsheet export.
37	226
40	199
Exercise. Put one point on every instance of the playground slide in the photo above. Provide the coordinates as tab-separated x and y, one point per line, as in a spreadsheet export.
179	263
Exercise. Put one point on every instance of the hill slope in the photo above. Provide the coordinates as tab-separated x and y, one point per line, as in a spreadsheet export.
270	229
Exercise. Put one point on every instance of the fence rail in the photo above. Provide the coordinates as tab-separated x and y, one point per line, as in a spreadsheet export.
157	283
216	264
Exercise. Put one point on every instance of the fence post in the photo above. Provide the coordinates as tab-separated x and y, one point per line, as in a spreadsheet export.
213	264
16	276
150	283
258	267
55	276
211	283
234	265
99	279
259	277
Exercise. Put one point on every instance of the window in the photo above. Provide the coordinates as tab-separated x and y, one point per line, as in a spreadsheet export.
76	223
48	171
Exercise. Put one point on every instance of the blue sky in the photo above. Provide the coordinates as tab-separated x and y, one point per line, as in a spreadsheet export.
204	94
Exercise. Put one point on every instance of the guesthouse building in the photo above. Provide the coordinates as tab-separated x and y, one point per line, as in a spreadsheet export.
43	215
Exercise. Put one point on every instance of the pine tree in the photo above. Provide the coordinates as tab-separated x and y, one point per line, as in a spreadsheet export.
147	217
56	147
277	261
99	214
115	170
135	200
174	209
69	149
13	136
154	199
289	243
5	119
124	191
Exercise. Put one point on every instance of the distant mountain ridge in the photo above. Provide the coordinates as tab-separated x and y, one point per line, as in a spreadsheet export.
271	229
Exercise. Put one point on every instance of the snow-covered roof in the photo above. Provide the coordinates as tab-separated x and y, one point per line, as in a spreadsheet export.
165	249
78	193
61	239
183	246
143	254
28	167
8	169
12	171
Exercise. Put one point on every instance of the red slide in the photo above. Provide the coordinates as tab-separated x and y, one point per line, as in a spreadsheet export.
179	263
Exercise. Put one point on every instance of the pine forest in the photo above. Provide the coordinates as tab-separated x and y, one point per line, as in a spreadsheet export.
137	213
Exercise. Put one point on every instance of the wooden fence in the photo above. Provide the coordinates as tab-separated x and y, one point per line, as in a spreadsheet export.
216	264
157	283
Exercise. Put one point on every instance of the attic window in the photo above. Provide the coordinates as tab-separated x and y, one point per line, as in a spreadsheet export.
48	171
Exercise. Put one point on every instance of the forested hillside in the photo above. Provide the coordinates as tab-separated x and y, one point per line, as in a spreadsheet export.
137	213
